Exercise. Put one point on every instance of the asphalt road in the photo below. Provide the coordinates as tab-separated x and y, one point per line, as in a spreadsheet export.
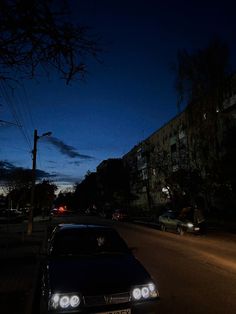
195	274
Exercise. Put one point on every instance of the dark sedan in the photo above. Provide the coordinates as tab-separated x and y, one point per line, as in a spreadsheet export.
180	223
90	269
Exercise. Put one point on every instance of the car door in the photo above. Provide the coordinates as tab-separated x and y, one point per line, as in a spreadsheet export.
172	221
167	220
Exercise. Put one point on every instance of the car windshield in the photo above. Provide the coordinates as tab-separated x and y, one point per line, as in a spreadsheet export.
88	242
186	214
172	215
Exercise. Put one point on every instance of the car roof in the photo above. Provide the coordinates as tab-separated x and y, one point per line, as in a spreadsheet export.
169	211
74	226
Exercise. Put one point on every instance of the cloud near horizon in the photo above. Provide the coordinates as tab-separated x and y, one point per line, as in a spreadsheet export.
65	149
76	163
7	168
60	179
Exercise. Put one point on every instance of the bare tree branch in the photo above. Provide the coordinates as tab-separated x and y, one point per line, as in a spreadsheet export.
35	35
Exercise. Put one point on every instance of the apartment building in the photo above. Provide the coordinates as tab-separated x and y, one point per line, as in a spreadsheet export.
152	160
192	143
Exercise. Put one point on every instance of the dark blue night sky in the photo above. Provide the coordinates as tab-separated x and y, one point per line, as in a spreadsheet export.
125	98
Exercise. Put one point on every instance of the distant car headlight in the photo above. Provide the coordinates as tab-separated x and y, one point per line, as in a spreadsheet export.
189	225
144	292
64	301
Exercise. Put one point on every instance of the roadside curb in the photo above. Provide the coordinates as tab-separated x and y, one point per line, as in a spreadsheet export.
29	306
36	277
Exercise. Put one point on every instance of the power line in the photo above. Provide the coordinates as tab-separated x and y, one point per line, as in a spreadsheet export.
28	106
21	113
15	114
25	105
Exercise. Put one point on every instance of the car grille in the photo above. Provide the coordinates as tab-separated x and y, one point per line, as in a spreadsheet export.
107	299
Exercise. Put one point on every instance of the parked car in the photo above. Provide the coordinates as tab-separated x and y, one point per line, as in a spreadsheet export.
11	215
90	269
106	213
174	221
60	212
120	215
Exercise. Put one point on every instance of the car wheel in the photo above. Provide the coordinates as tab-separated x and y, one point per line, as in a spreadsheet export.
163	227
39	305
180	230
42	303
42	309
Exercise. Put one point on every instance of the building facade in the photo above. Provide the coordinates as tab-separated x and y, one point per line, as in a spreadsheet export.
153	160
187	157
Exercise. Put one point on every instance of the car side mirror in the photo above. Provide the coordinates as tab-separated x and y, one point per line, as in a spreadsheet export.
133	249
43	252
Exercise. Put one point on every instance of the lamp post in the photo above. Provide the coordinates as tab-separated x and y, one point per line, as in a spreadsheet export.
34	158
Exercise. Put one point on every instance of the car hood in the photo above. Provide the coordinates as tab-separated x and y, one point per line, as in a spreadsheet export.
96	274
184	220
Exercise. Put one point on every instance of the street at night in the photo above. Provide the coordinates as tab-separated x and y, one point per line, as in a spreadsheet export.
117	157
195	274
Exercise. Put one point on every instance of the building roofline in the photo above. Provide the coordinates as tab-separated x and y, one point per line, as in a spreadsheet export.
158	130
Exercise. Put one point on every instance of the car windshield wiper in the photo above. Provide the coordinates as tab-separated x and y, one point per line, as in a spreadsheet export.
86	254
110	253
72	254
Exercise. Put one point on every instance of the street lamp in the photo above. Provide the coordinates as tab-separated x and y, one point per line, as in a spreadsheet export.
34	152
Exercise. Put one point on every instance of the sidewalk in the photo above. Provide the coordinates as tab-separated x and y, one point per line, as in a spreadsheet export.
19	255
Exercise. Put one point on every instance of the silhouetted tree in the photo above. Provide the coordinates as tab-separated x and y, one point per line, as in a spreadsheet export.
44	195
86	192
18	197
17	179
226	187
40	35
66	198
202	75
202	78
113	183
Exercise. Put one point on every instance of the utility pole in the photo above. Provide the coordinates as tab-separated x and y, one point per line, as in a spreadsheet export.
34	158
31	212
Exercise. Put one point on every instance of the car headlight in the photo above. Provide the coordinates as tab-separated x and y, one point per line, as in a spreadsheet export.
137	294
74	301
64	301
144	292
189	225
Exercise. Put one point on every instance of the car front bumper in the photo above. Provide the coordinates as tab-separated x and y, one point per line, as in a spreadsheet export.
147	307
193	229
